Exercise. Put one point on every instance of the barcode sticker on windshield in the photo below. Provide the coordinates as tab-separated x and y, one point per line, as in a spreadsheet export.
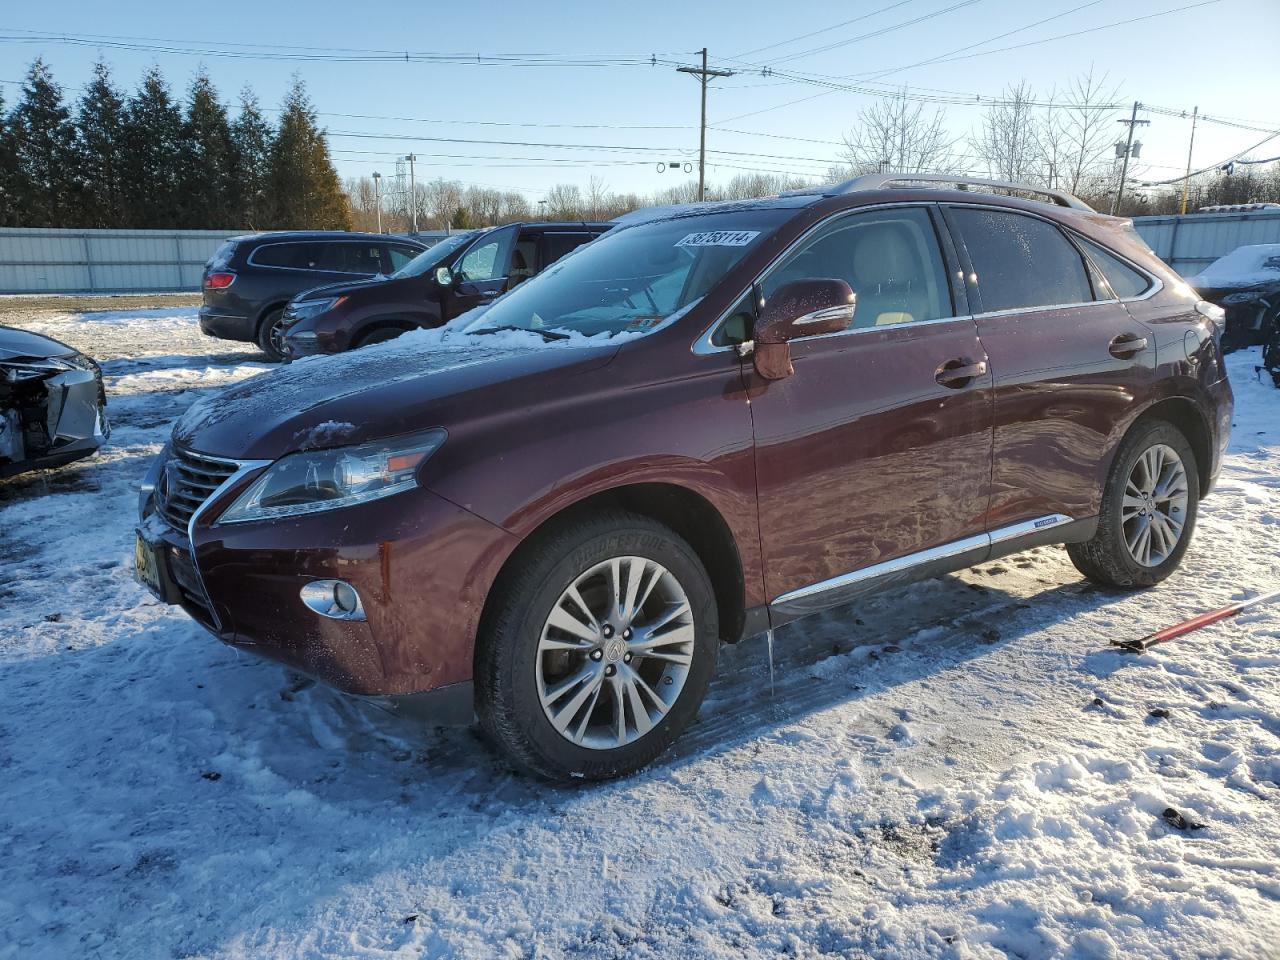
719	238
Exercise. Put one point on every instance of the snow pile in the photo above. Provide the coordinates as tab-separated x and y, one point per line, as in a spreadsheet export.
959	769
1242	267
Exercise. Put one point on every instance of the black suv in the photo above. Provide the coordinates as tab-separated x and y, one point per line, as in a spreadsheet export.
249	279
458	273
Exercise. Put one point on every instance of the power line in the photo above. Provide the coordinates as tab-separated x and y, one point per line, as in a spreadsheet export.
837	86
874	33
814	33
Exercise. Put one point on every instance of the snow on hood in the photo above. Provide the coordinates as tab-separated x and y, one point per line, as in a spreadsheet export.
373	392
1243	267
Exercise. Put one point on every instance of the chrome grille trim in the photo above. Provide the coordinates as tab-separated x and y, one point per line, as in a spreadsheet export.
193	479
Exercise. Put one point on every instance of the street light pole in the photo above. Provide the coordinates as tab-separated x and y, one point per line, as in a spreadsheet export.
377	197
704	75
413	197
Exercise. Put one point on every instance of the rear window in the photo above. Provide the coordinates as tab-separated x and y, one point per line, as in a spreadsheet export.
363	258
221	258
1021	262
556	245
1125	281
296	256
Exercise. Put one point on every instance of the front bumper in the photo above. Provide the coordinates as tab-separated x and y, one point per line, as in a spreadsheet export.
73	424
421	565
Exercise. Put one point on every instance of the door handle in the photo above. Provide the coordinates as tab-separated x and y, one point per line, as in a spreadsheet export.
1127	345
957	373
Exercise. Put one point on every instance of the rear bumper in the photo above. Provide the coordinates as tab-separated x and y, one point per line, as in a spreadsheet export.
1222	411
226	326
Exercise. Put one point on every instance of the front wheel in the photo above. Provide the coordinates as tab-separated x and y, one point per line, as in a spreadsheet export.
271	335
1148	511
600	650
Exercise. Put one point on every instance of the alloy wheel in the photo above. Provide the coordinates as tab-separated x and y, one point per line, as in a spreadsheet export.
615	652
276	336
1154	512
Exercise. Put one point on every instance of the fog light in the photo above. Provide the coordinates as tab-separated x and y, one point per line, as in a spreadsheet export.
335	599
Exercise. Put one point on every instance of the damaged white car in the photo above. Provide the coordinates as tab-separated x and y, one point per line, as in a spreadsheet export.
52	403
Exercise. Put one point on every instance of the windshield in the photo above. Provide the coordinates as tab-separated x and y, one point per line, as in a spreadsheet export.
633	278
431	256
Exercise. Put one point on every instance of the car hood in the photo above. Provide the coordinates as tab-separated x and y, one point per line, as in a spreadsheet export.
339	289
421	380
23	345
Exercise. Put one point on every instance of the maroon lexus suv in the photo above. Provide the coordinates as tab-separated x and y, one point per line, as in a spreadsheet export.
713	420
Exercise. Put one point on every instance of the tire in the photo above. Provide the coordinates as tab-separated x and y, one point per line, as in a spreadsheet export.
268	336
1108	558
523	657
379	335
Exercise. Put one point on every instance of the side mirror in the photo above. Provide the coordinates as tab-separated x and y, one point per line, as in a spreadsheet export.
804	308
444	277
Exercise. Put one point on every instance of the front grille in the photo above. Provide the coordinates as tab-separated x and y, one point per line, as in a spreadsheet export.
186	482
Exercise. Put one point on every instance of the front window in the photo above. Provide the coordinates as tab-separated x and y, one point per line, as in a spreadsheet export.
434	255
633	278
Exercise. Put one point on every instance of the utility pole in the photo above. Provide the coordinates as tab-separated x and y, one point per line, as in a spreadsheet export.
413	197
377	197
1186	183
704	75
1133	122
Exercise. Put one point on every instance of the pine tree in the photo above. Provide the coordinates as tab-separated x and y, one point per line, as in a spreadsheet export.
303	186
10	179
205	161
100	153
152	135
45	147
251	138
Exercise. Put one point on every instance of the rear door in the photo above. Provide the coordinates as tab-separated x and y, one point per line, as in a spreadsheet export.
556	245
1068	361
878	448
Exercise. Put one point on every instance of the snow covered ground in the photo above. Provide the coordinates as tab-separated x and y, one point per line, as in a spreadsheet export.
961	769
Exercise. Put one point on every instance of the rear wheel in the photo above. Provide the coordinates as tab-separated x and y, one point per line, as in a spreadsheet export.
1148	511
271	335
600	651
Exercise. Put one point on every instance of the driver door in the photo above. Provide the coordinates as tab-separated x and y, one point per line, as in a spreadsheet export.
480	275
873	451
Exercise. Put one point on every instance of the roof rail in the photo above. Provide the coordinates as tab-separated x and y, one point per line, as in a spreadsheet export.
880	181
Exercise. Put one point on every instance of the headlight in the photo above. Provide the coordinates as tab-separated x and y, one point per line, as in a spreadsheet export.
316	480
306	309
12	371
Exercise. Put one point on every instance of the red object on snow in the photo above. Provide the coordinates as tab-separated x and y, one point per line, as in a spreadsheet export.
1195	623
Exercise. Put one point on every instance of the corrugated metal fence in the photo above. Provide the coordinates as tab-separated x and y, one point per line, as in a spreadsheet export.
1191	243
104	261
107	261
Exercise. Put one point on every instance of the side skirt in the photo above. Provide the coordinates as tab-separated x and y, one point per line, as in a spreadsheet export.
926	564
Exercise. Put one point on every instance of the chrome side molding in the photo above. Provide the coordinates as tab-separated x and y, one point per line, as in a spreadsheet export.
829	593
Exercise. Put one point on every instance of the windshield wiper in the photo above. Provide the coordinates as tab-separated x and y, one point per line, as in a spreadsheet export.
544	334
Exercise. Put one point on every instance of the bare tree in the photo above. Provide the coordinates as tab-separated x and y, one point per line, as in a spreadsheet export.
439	200
564	202
597	198
896	135
514	206
1009	141
1077	137
364	209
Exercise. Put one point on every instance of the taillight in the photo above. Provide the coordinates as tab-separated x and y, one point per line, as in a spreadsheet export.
1215	313
219	281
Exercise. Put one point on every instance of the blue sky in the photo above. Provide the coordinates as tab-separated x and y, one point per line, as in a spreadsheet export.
1220	57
